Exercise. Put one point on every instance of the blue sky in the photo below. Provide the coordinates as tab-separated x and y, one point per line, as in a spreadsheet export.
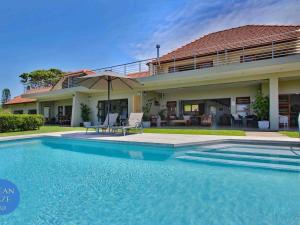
74	34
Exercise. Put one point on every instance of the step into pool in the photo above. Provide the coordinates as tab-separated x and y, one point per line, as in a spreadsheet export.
71	181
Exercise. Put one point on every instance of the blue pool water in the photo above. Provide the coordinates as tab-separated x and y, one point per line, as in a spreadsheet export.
68	182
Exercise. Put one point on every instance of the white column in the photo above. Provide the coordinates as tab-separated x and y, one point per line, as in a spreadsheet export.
74	112
232	105
274	103
38	110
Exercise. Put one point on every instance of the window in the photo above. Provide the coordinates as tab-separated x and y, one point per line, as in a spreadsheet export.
191	107
119	106
32	111
60	111
68	111
243	106
18	111
171	108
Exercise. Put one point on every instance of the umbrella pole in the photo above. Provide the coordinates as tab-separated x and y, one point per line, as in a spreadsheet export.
108	101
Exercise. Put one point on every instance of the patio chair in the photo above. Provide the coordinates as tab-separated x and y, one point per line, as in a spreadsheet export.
112	121
206	120
134	122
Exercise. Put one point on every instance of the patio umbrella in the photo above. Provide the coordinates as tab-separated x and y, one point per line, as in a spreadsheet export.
108	80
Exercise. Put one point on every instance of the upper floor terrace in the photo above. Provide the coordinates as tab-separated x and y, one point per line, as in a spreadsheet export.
236	46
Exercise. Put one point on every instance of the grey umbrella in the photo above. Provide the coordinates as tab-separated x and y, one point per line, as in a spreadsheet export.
108	80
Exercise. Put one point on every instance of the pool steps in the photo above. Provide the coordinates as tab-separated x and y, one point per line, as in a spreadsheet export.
260	159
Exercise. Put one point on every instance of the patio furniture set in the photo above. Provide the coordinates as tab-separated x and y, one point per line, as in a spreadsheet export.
134	122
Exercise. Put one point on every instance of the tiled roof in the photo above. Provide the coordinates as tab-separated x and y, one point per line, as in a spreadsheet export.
234	38
19	100
38	90
83	71
139	74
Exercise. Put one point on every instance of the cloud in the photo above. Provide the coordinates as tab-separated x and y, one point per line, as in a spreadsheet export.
196	19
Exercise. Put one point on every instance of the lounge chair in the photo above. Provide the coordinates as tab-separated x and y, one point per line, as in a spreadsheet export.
112	121
134	121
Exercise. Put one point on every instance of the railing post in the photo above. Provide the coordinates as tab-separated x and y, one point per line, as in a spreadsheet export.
243	53
218	59
272	49
195	67
140	67
68	82
125	70
225	56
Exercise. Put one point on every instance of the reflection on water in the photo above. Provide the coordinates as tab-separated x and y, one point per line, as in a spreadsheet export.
119	150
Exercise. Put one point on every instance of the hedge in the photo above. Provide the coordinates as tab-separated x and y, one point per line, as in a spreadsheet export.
20	122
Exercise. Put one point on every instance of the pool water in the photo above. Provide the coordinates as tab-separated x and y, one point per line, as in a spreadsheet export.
68	182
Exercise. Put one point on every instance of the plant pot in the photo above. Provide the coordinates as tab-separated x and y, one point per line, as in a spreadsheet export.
86	124
146	124
264	124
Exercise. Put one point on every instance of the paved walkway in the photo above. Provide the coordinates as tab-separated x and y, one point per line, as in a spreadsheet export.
172	139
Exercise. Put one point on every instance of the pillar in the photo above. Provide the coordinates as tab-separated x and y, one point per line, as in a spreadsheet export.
274	103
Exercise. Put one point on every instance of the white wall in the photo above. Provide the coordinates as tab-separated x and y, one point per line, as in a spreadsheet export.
78	98
25	107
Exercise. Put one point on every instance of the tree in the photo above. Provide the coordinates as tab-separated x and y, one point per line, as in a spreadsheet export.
41	78
5	95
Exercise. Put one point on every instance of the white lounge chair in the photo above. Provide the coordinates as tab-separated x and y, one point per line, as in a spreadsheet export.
112	122
134	121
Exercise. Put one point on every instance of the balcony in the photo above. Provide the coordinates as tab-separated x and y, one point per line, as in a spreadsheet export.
272	47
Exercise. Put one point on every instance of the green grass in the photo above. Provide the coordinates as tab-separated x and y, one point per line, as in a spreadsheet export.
49	129
43	129
195	131
292	134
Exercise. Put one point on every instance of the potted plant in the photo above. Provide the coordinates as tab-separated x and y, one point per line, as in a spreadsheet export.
261	109
85	114
146	120
146	116
161	116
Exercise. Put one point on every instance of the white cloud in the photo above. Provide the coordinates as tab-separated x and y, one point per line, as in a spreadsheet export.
197	18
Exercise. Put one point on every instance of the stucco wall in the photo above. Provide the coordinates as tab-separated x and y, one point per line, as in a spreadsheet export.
24	107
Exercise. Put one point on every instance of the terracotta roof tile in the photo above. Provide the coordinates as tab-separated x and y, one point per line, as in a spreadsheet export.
234	38
83	71
139	74
38	90
19	100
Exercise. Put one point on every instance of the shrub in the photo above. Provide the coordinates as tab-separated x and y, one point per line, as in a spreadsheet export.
20	122
85	112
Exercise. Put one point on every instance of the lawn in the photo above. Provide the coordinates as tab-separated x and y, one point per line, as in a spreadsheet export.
49	129
43	129
195	131
292	134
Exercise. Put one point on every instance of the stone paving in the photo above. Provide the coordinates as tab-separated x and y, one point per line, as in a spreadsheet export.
172	139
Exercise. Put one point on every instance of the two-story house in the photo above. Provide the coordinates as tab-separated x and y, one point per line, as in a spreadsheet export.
218	74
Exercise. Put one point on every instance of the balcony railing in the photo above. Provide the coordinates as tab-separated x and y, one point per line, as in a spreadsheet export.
271	47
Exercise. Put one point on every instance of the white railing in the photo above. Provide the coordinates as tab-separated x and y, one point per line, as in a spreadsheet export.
129	68
271	47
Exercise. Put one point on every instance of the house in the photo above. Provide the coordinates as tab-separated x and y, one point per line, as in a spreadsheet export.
218	74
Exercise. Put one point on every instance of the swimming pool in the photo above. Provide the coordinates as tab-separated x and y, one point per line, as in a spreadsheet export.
65	181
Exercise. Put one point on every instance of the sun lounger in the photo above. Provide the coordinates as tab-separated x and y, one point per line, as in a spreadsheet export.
134	121
112	121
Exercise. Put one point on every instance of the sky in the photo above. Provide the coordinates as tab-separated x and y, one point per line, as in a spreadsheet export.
75	34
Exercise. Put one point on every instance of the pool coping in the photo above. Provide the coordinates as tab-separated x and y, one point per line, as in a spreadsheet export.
219	140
